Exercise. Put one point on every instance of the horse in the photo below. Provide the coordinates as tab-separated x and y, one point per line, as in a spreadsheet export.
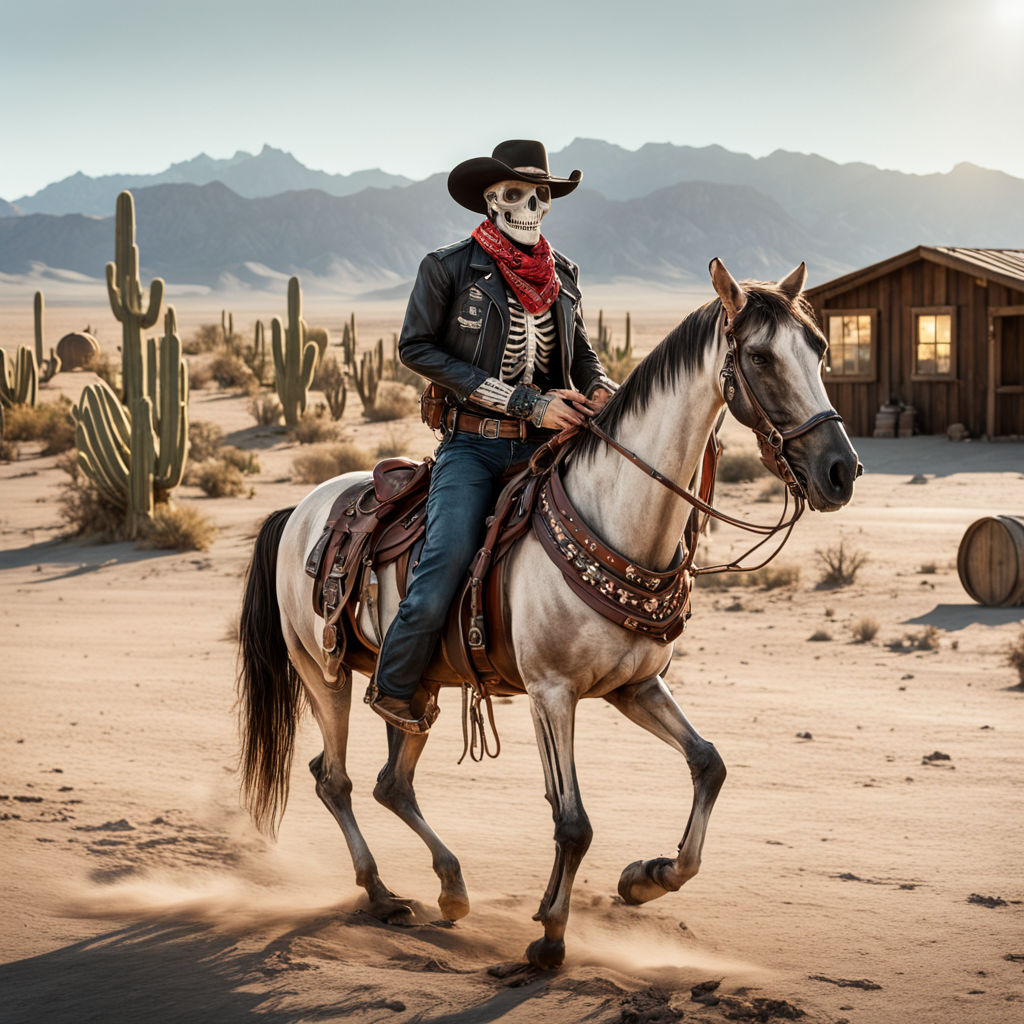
761	334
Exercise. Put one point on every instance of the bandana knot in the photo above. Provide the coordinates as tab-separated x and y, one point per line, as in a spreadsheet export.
530	275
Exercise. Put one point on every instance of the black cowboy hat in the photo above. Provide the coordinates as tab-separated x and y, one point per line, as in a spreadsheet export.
515	160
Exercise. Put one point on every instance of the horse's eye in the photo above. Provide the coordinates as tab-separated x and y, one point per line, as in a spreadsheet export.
759	360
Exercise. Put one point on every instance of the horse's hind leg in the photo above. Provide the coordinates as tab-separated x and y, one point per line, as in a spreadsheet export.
394	790
334	787
554	714
651	705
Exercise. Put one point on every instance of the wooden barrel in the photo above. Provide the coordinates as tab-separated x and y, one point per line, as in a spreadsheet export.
991	560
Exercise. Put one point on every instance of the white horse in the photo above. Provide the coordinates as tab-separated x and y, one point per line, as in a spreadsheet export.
565	651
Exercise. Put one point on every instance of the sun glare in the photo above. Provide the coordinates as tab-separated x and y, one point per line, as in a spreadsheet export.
1009	13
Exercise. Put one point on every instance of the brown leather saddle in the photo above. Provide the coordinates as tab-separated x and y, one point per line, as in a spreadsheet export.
381	521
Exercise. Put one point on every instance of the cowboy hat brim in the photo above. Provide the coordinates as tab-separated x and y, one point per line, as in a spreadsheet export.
467	181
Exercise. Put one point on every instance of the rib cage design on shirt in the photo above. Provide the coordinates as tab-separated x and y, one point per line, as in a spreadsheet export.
530	345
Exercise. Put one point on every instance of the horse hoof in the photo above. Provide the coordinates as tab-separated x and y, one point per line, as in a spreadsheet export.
392	910
637	882
547	954
453	905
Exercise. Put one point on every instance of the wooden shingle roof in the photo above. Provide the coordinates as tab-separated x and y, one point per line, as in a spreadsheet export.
1005	266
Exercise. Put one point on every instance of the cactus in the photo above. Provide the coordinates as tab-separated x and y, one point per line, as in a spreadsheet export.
227	327
19	383
46	367
627	350
350	344
135	454
295	358
125	295
367	377
330	379
257	356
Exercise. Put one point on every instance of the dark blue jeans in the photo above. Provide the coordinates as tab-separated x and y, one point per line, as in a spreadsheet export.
463	488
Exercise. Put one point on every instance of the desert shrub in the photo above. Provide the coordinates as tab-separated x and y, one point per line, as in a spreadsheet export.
865	630
928	640
217	478
721	580
229	371
206	338
204	440
86	512
928	569
820	635
772	577
265	410
179	528
393	402
1015	656
771	490
245	462
49	422
840	565
107	369
391	446
326	461
199	375
8	451
739	468
313	428
618	368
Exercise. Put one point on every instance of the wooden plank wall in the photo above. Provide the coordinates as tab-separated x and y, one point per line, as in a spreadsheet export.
941	402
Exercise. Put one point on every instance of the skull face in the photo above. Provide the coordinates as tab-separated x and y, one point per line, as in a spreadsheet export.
518	208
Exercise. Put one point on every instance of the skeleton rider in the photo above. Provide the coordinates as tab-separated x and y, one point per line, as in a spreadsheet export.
495	320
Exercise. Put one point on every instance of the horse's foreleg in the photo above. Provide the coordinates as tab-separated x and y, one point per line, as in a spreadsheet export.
334	787
554	714
394	790
650	705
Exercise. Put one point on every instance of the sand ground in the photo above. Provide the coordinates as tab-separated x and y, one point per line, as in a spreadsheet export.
842	871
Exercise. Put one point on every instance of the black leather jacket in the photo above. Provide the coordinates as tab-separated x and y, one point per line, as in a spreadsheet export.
457	320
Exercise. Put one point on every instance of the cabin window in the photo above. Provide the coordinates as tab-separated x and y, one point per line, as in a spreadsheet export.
934	334
851	343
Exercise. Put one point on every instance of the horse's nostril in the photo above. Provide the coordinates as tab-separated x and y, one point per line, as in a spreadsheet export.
839	476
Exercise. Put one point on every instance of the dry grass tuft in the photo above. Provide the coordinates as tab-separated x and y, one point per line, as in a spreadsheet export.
313	428
840	565
204	440
230	371
928	640
329	460
739	468
8	451
49	422
266	410
773	577
199	376
207	338
1015	656
928	569
820	635
865	630
245	462
393	402
217	478
179	528
85	511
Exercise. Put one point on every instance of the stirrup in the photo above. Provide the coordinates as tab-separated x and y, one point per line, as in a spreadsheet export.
413	726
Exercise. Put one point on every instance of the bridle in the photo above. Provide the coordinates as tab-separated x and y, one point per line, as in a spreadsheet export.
748	410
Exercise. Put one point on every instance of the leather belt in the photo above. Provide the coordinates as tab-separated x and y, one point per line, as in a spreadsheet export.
467	423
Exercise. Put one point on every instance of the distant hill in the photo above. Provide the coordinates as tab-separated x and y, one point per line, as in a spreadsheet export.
268	173
376	239
856	212
8	209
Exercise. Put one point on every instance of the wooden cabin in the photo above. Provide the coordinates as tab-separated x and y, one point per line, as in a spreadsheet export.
939	329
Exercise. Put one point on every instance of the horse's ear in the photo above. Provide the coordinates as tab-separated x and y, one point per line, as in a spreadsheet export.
732	295
793	284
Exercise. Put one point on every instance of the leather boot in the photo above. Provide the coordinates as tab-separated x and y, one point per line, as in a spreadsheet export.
397	711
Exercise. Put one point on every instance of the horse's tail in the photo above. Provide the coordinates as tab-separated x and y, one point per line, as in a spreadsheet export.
269	688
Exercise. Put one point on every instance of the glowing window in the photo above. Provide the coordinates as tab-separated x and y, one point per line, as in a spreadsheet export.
933	337
850	342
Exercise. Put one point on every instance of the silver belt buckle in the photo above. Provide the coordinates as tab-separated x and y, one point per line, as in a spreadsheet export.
490	429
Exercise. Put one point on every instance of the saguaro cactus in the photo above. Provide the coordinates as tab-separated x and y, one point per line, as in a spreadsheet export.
367	377
125	294
349	344
295	358
19	383
135	455
46	367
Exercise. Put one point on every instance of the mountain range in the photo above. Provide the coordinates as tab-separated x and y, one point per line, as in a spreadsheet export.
656	213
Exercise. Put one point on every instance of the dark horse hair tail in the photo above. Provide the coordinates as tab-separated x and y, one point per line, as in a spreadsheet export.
269	689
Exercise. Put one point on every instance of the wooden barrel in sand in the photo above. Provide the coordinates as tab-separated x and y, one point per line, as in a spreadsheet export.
991	560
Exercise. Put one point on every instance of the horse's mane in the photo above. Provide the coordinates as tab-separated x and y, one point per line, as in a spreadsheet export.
684	349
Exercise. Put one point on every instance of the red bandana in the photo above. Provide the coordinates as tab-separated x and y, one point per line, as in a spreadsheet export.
530	275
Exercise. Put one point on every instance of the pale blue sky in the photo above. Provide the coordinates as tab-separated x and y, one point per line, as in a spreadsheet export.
414	87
